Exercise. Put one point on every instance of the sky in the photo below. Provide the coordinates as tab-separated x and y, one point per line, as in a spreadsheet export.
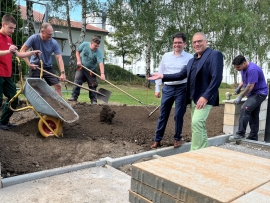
74	15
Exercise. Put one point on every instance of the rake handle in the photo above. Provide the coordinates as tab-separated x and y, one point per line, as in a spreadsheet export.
72	82
113	85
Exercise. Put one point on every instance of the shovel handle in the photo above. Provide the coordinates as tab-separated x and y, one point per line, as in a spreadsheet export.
113	85
72	83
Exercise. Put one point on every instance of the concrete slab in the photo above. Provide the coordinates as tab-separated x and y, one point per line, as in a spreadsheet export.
207	175
99	184
151	193
136	198
260	195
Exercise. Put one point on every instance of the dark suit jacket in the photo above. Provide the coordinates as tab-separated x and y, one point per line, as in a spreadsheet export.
208	77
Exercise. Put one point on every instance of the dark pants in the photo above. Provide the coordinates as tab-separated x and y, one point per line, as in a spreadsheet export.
250	113
8	88
82	76
171	94
51	80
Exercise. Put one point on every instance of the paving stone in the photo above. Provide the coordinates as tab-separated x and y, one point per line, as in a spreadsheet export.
206	175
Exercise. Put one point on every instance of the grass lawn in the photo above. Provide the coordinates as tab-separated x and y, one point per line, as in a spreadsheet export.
140	93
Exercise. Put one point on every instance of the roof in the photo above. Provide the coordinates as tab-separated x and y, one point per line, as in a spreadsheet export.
38	17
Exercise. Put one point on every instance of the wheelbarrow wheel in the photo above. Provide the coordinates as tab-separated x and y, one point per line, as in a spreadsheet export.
55	123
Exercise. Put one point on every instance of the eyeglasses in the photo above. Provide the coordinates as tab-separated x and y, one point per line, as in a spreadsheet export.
199	41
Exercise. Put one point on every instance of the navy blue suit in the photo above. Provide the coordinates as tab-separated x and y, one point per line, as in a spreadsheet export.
208	77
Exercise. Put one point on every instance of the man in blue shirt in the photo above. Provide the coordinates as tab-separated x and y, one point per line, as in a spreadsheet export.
172	62
88	55
256	90
44	42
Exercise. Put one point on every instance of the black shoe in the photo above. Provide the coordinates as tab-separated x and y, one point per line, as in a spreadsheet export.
72	99
10	125
94	102
250	138
4	127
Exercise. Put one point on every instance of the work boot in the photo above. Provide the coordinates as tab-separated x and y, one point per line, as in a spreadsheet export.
3	127
93	101
72	99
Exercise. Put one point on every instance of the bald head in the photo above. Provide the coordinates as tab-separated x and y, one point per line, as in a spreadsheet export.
46	31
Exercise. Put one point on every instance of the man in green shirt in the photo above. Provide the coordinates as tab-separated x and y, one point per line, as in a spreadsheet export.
89	56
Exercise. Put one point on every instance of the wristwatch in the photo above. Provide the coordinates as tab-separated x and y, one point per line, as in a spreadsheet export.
62	72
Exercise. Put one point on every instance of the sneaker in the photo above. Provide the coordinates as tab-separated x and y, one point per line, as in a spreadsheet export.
4	127
10	125
236	137
94	102
72	99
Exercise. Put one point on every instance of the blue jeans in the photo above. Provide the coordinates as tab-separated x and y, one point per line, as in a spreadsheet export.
171	94
250	113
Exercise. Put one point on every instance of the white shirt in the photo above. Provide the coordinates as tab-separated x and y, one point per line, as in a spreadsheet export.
170	64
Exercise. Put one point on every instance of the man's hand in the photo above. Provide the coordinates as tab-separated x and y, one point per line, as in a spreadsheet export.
63	77
155	76
238	99
33	66
157	94
237	90
36	52
79	64
201	103
12	49
102	76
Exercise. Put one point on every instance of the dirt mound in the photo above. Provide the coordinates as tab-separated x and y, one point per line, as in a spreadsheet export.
126	130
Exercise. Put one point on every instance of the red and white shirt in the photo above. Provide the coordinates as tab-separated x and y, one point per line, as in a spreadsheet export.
6	60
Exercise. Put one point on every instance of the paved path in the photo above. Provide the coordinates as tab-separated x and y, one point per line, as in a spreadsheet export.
92	185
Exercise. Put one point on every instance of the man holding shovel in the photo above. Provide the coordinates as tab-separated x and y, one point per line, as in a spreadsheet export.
89	56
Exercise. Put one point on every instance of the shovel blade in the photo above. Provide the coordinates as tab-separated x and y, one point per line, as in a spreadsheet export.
105	92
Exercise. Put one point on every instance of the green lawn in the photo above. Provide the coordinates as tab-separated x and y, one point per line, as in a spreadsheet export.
144	95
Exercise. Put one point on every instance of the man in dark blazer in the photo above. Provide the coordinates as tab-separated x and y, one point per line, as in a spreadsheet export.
204	75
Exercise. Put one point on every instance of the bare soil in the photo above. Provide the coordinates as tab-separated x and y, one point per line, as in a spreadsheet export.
101	131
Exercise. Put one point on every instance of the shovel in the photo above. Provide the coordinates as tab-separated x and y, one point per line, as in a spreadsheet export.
102	94
117	87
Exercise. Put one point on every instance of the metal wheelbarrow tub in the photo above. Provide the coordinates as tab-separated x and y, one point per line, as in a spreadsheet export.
46	101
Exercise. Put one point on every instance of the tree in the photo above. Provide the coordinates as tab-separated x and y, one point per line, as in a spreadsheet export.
66	6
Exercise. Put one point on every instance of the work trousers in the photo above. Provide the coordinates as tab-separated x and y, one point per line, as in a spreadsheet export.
250	111
198	126
8	88
82	76
171	94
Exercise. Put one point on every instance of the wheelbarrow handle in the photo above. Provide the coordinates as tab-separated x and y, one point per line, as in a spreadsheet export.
73	83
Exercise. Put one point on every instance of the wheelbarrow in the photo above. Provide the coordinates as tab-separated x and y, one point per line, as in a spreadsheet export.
51	108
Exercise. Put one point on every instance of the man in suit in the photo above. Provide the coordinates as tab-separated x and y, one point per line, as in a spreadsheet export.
204	75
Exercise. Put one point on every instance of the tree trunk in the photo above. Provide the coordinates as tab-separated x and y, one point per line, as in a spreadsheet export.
148	64
72	58
30	18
